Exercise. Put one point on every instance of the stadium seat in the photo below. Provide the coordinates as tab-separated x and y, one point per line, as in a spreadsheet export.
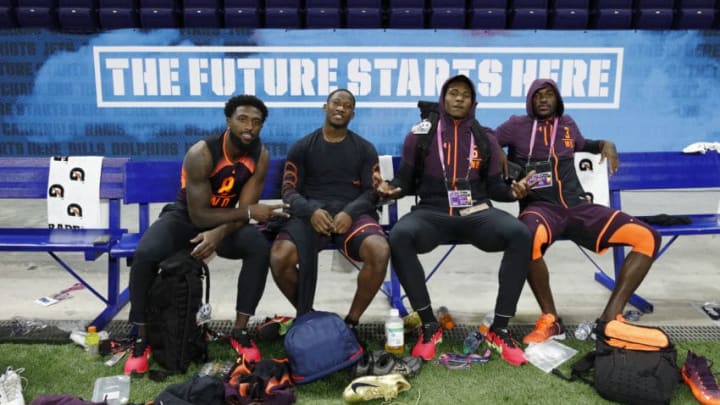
7	17
159	18
447	18
322	18
406	18
613	4
612	19
654	19
488	19
202	4
78	19
528	18
242	17
370	4
282	18
695	18
696	4
447	4
487	4
530	4
41	17
331	4
201	17
404	4
572	4
363	18
654	4
569	19
278	4
115	18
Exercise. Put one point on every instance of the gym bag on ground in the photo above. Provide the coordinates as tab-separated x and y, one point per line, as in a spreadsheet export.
320	343
174	299
632	365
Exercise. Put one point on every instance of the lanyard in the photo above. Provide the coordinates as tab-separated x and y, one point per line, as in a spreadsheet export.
552	138
442	159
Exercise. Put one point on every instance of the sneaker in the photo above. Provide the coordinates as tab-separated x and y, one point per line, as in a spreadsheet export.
502	341
370	387
430	335
11	387
244	346
381	362
697	375
547	327
139	360
273	328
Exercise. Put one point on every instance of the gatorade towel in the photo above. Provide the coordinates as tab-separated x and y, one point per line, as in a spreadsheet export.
73	192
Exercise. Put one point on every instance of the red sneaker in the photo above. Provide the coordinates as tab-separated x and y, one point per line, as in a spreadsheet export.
502	341
430	335
139	360
241	343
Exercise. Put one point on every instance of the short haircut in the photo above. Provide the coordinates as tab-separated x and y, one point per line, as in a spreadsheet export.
332	93
245	99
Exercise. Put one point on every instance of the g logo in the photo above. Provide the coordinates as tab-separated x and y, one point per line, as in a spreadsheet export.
77	174
585	165
74	210
57	191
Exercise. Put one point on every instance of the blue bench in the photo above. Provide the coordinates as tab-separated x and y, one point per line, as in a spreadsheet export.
642	171
27	178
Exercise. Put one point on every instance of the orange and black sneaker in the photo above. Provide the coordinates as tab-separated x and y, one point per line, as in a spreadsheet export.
430	335
547	327
697	375
139	360
502	341
244	346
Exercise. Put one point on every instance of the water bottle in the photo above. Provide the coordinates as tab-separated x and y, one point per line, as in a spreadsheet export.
394	333
445	319
472	341
487	322
92	341
583	330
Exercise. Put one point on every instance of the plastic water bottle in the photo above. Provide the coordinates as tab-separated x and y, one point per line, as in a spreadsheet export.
92	341
472	341
445	319
583	330
394	333
487	322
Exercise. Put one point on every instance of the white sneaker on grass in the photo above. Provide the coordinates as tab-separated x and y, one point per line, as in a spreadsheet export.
11	387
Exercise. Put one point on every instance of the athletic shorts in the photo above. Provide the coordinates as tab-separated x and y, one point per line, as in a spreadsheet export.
589	225
350	241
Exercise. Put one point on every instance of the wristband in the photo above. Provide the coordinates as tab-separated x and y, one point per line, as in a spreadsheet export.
249	213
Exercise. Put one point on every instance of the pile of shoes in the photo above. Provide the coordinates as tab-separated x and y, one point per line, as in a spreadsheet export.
380	374
11	387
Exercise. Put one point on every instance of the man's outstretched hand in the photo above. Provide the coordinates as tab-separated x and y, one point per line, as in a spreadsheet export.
385	189
521	188
263	212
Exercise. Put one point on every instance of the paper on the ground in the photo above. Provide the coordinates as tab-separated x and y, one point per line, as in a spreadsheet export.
549	354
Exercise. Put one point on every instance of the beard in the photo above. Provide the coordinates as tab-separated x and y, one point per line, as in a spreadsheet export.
242	146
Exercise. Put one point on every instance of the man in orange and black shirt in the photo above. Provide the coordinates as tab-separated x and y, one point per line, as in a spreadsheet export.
222	179
545	140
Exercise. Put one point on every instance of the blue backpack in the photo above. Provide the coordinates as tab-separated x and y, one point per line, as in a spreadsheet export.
319	343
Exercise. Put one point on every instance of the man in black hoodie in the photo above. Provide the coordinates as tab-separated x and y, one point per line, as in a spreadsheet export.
461	173
546	140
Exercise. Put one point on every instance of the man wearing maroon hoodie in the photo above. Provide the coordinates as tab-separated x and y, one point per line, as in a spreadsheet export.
461	173
545	140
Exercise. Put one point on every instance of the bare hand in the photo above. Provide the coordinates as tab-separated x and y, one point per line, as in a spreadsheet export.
384	189
609	152
322	222
207	243
263	212
342	222
520	189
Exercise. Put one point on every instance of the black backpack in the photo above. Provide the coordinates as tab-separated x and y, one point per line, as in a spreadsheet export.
429	112
174	299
